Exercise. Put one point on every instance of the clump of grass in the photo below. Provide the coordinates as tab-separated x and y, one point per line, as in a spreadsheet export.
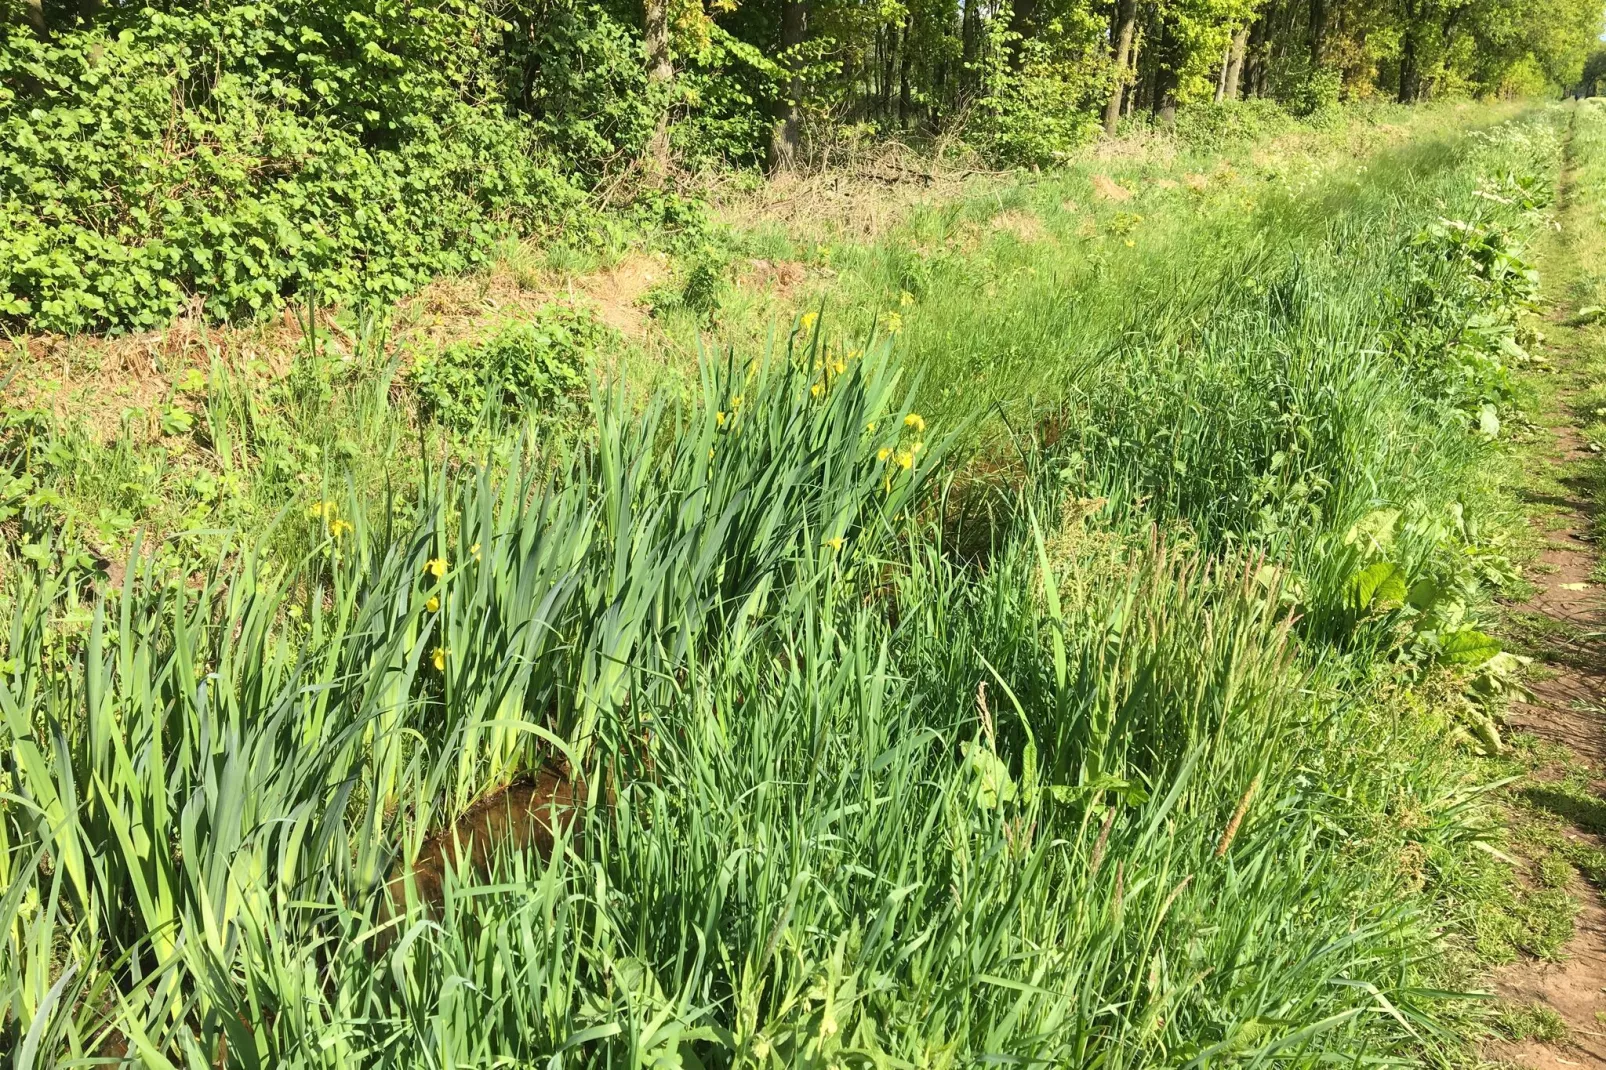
1535	1021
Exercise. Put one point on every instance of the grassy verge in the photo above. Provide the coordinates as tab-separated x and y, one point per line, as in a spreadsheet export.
915	699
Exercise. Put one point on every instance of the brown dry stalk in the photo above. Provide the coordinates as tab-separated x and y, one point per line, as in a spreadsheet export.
1104	837
1237	817
1172	898
986	715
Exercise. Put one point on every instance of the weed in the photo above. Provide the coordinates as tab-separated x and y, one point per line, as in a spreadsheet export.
524	366
1532	1022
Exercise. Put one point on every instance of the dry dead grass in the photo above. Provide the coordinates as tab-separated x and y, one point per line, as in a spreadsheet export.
857	200
1023	225
1106	188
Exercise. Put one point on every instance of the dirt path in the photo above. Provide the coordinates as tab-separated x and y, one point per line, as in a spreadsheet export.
1566	710
1562	622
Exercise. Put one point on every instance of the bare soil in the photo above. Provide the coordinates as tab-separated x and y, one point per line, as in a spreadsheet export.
1565	710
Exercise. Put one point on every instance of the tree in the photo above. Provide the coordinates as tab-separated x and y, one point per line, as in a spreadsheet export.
1126	21
788	126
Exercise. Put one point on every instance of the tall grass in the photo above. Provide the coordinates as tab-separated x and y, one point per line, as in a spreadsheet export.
1122	790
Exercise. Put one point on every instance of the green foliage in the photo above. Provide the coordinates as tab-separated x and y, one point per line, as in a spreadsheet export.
234	156
728	609
1034	109
579	74
1535	1021
523	366
1317	95
229	184
1215	126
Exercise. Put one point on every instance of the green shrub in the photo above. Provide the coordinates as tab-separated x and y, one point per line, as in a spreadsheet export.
1317	94
580	75
1040	114
526	365
1212	126
244	154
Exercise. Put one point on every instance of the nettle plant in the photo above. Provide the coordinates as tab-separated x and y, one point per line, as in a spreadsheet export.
536	366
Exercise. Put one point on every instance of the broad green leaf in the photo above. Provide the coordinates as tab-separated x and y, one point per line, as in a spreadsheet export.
1374	531
1380	585
1468	646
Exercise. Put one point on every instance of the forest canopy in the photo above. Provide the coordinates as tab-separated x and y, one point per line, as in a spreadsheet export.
233	155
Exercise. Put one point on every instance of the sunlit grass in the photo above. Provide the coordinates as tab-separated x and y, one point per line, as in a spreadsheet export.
1031	681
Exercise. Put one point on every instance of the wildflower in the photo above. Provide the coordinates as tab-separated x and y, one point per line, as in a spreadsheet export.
474	551
806	321
736	402
719	419
906	299
916	446
433	605
1130	243
339	528
894	323
817	389
439	658
870	427
319	510
916	422
839	367
883	453
436	566
835	544
905	459
710	453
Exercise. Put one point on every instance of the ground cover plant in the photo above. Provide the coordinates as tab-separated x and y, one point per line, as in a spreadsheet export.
885	714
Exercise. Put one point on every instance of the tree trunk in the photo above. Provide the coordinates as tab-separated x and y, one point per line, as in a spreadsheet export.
1022	13
788	133
1221	75
1235	62
655	26
904	62
1319	12
1255	58
660	71
890	37
970	30
34	12
1126	22
1162	91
